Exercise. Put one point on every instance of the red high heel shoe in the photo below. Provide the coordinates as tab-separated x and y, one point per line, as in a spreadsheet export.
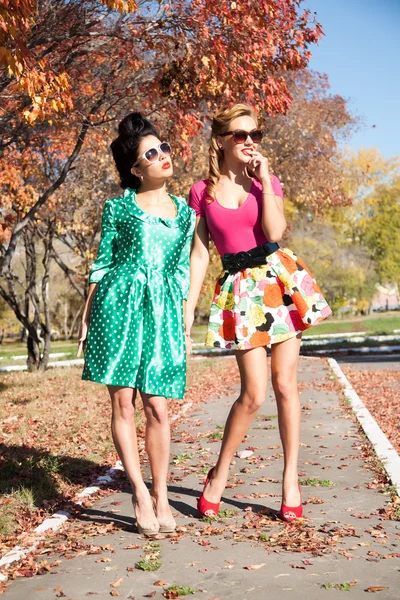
204	506
291	513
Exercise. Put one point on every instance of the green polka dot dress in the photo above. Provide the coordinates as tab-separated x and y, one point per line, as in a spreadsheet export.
136	335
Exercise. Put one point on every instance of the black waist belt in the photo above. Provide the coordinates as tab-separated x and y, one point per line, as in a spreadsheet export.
246	260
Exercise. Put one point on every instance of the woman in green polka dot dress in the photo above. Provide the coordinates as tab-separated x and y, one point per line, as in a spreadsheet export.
133	318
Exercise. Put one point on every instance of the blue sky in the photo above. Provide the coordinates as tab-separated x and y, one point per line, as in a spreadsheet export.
360	53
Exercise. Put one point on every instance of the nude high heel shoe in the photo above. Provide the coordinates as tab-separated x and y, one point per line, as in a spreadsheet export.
149	528
167	525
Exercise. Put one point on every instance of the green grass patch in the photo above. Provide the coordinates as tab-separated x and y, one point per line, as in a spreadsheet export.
223	514
179	459
375	325
181	590
151	559
19	501
7	351
342	587
34	473
227	514
390	490
317	482
215	436
149	564
203	470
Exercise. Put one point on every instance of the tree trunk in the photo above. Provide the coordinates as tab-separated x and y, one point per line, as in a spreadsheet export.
66	311
74	322
30	308
33	347
46	326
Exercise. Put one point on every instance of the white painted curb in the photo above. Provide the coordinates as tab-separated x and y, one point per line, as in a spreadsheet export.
361	350
383	448
74	362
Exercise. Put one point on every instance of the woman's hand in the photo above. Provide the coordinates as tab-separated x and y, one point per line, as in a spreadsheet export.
188	323
83	331
259	165
188	344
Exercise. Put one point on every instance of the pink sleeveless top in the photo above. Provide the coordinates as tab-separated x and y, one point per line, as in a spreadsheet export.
233	229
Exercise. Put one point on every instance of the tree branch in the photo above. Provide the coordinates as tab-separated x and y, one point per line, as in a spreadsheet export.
68	272
6	259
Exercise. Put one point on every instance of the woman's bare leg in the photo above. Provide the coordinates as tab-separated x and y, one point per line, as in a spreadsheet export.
158	438
124	435
254	379
284	362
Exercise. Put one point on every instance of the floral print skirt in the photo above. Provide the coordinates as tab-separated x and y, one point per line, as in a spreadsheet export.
265	305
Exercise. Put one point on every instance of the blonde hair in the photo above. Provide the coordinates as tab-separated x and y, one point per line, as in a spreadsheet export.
220	123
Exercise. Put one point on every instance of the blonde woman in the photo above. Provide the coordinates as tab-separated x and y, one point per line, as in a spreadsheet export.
264	296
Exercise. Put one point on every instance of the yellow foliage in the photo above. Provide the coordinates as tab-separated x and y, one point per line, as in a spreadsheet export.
367	168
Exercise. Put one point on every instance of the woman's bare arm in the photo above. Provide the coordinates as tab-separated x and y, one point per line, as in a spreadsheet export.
199	259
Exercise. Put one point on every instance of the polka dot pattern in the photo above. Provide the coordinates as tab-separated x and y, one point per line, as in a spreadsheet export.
136	336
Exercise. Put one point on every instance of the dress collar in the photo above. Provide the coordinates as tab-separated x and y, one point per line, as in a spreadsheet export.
131	205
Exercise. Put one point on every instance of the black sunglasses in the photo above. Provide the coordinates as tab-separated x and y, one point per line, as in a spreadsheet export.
240	135
153	154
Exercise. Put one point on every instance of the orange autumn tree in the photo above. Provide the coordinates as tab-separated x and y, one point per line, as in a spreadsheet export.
304	145
48	89
173	61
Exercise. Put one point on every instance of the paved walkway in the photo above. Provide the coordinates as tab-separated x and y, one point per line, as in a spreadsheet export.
343	542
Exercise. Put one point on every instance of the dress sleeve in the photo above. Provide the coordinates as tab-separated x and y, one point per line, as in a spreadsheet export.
108	245
276	186
195	202
182	272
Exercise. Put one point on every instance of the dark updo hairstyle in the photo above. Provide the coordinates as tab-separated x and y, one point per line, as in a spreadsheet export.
132	129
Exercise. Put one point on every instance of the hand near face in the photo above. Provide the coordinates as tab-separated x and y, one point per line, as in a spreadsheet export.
259	165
